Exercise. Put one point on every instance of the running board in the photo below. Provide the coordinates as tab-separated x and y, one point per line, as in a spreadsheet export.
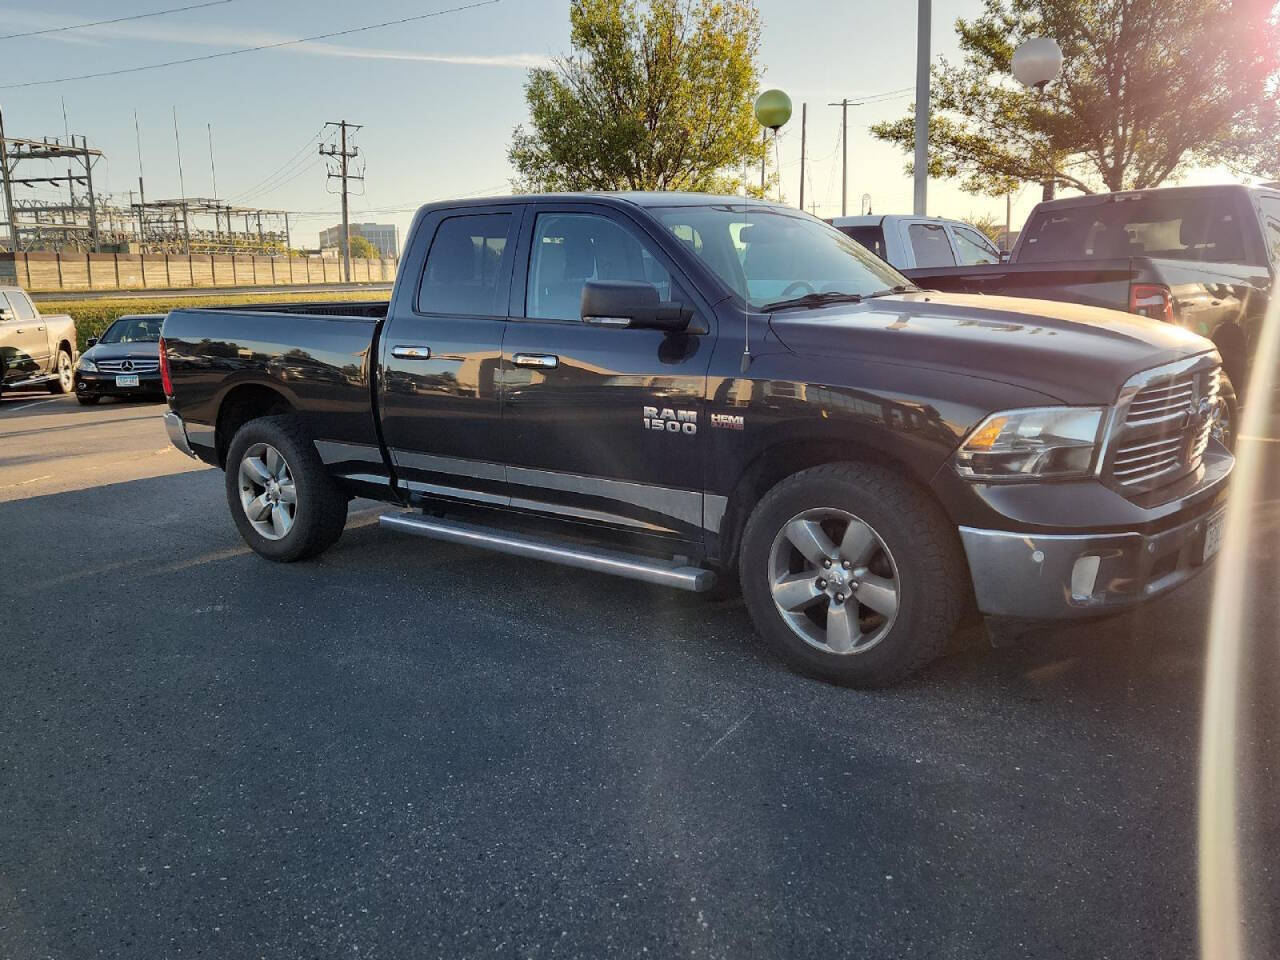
634	566
31	382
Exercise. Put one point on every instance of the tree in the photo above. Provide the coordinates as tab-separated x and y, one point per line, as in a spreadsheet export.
987	225
361	248
656	96
1147	88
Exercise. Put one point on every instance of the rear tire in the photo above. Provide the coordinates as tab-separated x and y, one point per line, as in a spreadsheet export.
65	374
284	503
852	575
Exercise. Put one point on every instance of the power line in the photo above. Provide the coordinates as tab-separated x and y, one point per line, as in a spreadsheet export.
262	46
99	23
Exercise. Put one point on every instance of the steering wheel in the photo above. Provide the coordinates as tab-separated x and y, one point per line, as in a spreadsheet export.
796	285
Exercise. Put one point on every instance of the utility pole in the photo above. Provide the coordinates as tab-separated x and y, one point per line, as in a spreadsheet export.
8	188
182	187
922	108
93	203
344	156
1008	219
844	105
213	170
764	155
804	119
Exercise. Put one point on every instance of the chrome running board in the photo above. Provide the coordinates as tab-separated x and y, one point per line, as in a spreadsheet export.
666	573
32	381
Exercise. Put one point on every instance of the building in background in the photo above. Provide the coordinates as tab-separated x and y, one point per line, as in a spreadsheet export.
384	236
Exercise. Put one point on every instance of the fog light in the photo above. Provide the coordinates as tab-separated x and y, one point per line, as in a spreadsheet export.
1084	575
80	385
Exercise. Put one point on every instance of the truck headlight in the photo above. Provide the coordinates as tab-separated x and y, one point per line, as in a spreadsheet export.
1047	443
87	366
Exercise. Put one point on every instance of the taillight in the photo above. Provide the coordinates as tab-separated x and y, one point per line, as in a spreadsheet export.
1151	300
166	381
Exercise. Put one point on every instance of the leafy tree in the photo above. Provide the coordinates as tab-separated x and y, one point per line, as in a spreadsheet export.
362	248
655	96
1147	88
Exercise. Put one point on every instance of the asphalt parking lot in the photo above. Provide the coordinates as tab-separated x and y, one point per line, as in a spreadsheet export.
394	752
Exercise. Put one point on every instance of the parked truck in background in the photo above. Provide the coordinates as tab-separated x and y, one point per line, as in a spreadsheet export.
1203	258
35	351
682	388
925	242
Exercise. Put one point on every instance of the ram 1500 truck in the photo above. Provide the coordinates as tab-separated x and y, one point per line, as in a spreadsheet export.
1202	257
680	388
36	350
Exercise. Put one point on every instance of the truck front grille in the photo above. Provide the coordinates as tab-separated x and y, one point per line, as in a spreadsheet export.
1163	424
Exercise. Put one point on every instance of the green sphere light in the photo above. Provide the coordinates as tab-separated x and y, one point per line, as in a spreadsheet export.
773	109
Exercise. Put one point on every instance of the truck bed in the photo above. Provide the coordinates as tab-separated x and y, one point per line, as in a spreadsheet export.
319	356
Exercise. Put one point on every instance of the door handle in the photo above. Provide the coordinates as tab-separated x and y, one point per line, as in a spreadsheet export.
543	361
411	352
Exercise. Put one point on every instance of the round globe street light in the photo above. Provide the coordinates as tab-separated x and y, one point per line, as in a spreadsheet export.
1037	62
773	109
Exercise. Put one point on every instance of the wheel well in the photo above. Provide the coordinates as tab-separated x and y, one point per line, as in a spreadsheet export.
242	404
778	463
66	345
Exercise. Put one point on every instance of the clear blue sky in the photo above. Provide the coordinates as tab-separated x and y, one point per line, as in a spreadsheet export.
438	98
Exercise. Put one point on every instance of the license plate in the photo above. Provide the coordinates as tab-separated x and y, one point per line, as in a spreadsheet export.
127	380
1213	535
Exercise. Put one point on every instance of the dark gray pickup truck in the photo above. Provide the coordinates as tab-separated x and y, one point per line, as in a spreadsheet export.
1201	257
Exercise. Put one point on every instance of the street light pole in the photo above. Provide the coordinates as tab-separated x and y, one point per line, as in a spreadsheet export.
922	108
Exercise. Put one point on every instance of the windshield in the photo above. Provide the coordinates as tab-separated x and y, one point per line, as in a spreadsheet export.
134	330
769	254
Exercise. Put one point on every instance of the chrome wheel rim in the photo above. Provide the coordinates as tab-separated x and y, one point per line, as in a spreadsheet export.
833	581
64	371
267	493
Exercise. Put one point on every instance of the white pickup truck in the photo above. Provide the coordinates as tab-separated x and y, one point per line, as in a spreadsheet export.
910	242
35	350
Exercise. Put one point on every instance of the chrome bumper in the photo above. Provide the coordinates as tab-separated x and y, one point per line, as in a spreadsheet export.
1051	577
177	431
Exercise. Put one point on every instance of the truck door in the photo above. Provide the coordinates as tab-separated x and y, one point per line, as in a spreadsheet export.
602	424
441	350
24	342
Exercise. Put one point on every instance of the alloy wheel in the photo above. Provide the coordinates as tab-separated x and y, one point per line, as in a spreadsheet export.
833	580
267	491
65	373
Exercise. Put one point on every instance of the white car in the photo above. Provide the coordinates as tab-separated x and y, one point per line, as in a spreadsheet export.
907	242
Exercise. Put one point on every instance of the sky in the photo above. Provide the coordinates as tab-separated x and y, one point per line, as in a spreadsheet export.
438	98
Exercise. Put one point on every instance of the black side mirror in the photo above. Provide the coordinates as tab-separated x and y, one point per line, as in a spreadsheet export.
1005	255
629	303
91	342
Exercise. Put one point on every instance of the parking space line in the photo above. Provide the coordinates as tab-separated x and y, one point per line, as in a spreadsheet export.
34	403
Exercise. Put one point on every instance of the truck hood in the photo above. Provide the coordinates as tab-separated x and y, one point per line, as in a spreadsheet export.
1079	355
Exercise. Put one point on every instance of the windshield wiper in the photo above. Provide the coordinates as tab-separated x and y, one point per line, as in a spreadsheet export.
814	300
897	288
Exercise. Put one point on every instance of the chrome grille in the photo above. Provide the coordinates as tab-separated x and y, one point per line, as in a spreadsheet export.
128	366
1161	431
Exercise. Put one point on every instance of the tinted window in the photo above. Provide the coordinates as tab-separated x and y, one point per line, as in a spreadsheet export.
870	237
930	244
571	248
464	272
1271	221
22	308
1169	227
972	247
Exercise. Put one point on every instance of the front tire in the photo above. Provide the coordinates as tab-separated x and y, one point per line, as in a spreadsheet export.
852	575
66	374
285	504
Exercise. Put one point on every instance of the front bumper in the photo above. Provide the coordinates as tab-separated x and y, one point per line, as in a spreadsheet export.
1055	577
177	431
104	385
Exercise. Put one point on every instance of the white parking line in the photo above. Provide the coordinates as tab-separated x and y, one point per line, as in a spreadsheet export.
33	404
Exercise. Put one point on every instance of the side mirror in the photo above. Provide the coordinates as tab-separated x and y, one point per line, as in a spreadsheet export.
1005	255
628	303
91	342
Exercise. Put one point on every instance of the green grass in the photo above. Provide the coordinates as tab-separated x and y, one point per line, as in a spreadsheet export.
92	317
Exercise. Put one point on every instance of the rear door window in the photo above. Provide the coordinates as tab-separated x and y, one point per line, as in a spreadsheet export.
930	244
468	267
22	308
